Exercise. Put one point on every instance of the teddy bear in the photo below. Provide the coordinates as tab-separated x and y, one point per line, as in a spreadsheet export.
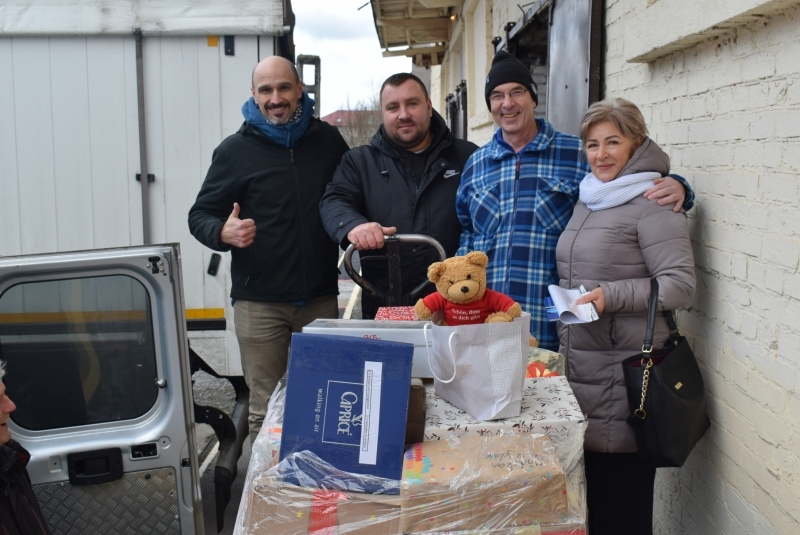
462	294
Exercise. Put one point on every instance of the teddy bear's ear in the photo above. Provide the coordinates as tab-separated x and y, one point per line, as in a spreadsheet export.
435	271
477	258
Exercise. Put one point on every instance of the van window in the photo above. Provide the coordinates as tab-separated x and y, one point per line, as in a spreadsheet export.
78	351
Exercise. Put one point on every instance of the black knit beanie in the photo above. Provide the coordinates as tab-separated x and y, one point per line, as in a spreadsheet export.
506	68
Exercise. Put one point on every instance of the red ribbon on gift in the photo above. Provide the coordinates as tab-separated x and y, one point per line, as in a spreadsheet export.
324	506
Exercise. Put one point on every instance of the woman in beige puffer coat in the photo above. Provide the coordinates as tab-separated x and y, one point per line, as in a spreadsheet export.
615	242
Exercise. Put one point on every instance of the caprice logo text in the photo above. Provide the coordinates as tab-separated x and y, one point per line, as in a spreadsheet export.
346	418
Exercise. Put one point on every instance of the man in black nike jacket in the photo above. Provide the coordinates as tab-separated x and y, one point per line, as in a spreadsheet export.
260	200
403	182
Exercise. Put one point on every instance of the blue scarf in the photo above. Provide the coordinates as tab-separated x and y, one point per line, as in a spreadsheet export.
286	135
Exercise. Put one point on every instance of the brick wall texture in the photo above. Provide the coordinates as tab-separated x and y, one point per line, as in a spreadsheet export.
728	112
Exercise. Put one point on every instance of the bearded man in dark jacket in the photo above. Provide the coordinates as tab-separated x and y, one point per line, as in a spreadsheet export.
260	200
403	182
19	510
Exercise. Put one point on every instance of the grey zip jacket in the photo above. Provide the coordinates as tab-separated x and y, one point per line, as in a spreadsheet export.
620	249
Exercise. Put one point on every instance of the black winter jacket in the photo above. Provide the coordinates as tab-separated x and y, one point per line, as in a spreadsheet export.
19	510
360	194
291	258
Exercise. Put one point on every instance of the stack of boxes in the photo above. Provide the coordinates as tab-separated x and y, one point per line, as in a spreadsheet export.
519	477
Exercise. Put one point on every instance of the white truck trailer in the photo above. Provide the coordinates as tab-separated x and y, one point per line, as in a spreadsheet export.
92	94
71	142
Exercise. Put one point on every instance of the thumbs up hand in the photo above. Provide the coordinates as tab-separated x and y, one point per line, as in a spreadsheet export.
238	232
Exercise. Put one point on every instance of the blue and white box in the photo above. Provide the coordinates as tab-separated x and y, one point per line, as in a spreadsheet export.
347	400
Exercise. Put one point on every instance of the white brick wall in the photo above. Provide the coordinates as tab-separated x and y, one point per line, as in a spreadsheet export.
728	112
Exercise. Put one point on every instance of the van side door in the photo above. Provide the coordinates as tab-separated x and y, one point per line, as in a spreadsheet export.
96	358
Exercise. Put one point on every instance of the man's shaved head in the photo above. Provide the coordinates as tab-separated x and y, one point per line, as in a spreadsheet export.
270	63
276	89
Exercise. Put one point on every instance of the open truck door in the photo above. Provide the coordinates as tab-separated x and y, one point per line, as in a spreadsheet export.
97	363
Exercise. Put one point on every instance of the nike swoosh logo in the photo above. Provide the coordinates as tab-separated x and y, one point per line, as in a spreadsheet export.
450	172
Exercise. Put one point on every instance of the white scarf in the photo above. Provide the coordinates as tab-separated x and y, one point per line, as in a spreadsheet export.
599	195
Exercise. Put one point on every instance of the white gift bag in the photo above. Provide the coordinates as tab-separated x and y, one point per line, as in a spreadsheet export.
480	368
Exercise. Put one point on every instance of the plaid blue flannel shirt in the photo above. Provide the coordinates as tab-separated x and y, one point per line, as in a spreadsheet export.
514	206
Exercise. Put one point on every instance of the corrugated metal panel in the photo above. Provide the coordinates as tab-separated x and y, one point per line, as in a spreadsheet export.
154	17
69	147
69	144
10	239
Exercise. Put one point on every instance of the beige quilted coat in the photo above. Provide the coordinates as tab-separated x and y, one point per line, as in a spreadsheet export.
620	249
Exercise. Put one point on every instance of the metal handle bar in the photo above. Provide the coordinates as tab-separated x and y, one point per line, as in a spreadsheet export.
395	295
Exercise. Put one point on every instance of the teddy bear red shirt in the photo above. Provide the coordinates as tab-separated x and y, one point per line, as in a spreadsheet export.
469	313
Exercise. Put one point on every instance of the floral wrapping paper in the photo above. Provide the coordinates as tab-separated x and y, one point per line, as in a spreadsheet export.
548	406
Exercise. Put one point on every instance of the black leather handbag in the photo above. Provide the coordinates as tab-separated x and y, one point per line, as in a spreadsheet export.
666	395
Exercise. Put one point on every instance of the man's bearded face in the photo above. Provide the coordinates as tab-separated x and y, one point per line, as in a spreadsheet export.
276	93
406	115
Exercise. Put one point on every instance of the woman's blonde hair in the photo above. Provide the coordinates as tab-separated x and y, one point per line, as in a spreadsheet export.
623	113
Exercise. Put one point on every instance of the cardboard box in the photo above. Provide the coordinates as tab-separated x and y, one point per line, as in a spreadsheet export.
277	508
347	401
415	422
475	483
566	529
397	331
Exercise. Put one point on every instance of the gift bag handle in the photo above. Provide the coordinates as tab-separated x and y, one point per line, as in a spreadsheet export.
452	354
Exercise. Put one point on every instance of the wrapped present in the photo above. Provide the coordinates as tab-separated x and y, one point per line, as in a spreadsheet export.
498	485
473	483
277	508
396	314
548	406
538	369
544	363
568	529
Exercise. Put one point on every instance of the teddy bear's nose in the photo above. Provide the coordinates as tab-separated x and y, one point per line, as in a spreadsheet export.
464	289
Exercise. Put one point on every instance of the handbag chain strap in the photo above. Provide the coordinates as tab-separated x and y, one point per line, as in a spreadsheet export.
640	412
647	345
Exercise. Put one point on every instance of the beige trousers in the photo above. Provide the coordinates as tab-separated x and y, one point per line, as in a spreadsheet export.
264	331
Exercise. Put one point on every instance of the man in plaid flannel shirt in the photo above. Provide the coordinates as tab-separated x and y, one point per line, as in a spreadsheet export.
517	193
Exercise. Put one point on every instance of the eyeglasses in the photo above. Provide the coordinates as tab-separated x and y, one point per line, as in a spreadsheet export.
515	94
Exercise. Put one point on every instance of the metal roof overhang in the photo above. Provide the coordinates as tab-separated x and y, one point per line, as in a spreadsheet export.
154	17
419	29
